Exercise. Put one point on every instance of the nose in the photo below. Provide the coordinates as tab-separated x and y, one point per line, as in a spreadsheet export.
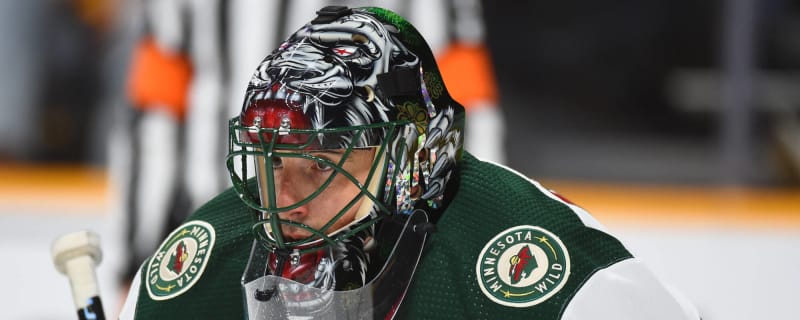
290	190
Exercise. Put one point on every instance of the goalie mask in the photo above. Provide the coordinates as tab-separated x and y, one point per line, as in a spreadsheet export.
347	137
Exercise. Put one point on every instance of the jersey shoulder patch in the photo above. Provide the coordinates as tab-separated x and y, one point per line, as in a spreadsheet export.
180	260
522	266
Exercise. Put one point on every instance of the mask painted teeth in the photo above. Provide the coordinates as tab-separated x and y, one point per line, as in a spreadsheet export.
296	97
281	94
292	98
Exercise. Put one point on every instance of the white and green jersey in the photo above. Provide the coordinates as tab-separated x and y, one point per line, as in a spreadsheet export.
504	248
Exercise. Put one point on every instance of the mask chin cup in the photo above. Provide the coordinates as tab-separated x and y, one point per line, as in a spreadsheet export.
267	295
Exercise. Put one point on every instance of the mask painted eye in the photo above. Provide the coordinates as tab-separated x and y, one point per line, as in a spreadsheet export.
345	51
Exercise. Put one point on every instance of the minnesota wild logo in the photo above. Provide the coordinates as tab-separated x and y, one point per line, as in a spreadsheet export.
180	260
522	266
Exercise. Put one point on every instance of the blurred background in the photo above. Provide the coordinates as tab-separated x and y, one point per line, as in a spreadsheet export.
676	123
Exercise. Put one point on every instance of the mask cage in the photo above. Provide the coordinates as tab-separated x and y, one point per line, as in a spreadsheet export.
247	142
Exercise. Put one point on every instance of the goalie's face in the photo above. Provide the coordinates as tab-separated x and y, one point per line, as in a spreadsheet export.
298	175
312	186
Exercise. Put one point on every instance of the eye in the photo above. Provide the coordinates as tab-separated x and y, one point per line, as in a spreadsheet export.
322	166
277	163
